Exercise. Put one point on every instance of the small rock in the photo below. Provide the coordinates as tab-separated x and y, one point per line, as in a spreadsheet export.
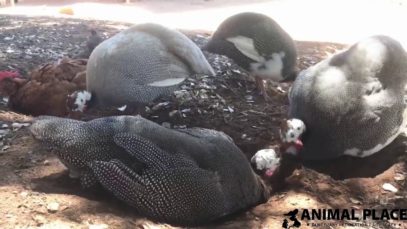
53	207
46	162
4	126
4	148
389	187
39	219
24	194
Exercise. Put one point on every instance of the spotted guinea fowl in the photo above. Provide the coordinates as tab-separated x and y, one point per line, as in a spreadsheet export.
351	103
46	89
141	64
257	44
187	176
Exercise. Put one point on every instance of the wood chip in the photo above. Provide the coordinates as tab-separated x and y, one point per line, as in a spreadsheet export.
389	187
355	201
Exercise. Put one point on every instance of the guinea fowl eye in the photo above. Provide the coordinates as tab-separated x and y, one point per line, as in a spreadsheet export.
298	128
292	135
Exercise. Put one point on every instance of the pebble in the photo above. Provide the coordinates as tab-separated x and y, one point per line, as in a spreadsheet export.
24	194
389	187
53	207
39	219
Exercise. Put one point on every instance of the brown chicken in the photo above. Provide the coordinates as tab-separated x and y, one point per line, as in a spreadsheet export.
47	89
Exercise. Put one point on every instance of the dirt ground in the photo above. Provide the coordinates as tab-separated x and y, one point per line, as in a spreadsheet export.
36	192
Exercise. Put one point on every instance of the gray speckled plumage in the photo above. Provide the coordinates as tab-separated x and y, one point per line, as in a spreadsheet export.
182	177
352	103
126	68
268	38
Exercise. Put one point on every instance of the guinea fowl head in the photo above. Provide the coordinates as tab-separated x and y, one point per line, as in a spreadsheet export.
10	81
266	162
44	128
78	101
290	135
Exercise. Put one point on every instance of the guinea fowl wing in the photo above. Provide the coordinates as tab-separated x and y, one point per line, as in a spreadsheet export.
169	180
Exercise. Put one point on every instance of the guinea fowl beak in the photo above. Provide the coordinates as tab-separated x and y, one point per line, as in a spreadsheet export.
298	144
292	147
269	172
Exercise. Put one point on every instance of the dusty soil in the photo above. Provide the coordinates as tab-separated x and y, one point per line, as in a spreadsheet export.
33	180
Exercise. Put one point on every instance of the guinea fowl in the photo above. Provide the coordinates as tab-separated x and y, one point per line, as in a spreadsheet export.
45	91
183	177
257	44
351	103
142	63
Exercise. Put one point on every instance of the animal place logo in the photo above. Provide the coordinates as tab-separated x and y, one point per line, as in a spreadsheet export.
365	218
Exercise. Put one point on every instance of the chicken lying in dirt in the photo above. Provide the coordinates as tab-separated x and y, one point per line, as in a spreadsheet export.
46	90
